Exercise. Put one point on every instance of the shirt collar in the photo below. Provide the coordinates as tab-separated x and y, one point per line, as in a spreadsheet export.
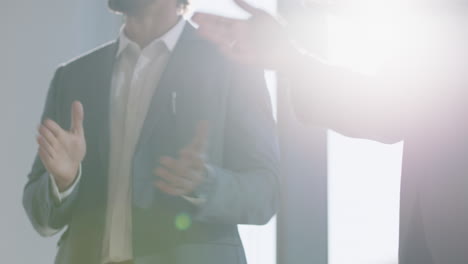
170	38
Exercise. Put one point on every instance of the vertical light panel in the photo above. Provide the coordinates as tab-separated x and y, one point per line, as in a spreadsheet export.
364	176
363	201
259	241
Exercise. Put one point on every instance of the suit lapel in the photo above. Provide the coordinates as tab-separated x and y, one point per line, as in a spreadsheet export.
171	82
87	230
104	86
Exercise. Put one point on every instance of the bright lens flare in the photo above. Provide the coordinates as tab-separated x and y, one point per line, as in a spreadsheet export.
374	36
362	43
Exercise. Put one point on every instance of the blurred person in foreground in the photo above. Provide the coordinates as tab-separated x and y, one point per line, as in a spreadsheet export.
169	157
420	97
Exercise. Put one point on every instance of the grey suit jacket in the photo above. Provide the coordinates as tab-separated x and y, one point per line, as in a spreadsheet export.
243	185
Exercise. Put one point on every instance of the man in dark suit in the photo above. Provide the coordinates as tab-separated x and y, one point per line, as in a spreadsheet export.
420	97
177	148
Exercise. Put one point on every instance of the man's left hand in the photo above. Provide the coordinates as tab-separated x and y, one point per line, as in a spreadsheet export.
183	176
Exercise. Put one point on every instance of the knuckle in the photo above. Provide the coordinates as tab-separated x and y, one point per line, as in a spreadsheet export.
50	124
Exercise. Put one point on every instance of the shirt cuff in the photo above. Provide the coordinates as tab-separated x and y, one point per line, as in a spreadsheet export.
197	201
200	196
61	196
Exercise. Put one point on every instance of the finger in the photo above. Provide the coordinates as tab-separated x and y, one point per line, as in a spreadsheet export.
48	136
168	189
195	160
213	21
44	156
178	167
77	118
174	180
170	163
247	7
194	165
218	37
44	145
192	169
218	29
54	128
200	141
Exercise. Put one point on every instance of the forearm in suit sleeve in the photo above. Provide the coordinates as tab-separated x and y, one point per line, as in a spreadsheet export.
357	105
246	189
47	214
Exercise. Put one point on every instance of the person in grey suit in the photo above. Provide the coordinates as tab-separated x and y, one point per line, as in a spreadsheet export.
170	147
419	96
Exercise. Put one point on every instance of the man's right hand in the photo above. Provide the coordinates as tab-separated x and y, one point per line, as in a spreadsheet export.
260	41
62	151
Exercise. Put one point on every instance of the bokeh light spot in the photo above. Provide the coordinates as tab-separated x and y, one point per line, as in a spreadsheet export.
183	222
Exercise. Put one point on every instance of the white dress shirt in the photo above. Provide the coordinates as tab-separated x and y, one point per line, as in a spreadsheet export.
135	77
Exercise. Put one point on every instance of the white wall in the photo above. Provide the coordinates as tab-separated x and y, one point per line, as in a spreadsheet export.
36	36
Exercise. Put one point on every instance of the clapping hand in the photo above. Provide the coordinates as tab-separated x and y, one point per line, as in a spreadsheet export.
62	151
182	176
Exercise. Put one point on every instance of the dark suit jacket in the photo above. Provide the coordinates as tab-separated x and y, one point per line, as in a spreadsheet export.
243	159
421	99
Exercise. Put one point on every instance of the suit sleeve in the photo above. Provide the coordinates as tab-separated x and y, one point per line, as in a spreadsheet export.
357	105
246	189
47	214
62	196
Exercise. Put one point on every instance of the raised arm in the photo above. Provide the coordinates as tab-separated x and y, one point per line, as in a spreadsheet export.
52	186
322	94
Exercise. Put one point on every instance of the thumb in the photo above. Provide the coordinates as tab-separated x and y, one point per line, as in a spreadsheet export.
200	141
247	7
77	118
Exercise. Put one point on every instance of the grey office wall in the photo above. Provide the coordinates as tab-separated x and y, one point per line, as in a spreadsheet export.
35	36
